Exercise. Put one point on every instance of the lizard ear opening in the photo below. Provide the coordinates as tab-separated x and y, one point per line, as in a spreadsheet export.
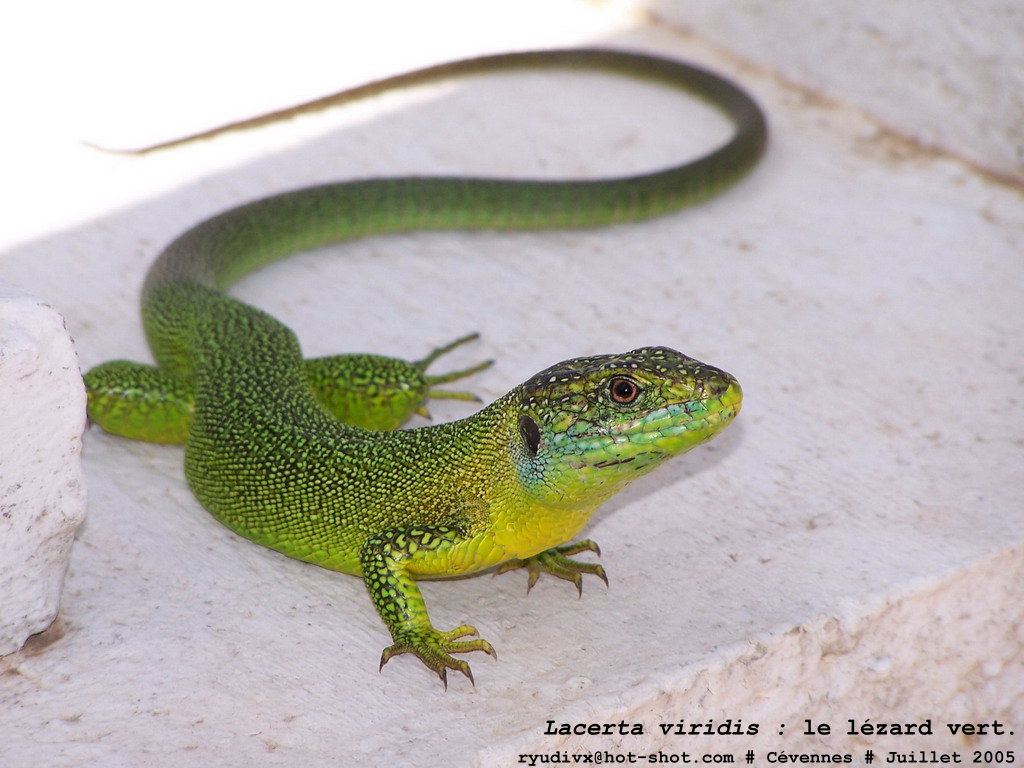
530	433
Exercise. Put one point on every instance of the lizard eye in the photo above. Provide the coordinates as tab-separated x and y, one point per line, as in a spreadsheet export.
623	391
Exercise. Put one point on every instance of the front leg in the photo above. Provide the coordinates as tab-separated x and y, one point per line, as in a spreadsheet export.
388	561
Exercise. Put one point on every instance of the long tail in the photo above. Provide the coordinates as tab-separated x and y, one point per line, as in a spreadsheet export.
221	249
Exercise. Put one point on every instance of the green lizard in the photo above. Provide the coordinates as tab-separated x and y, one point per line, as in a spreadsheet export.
302	456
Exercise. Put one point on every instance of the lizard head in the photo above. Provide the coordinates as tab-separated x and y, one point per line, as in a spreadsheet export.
589	426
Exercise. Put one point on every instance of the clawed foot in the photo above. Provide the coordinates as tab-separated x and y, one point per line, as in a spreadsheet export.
434	648
557	563
434	379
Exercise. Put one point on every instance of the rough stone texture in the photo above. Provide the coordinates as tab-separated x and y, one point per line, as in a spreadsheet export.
851	548
893	661
949	74
42	491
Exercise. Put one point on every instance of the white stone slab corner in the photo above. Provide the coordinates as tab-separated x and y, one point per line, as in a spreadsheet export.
42	491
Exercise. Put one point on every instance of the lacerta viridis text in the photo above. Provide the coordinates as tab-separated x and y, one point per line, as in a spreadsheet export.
291	453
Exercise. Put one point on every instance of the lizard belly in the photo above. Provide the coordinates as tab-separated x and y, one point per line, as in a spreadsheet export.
513	535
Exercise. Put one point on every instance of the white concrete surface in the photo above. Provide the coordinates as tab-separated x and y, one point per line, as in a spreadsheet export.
851	548
948	74
42	490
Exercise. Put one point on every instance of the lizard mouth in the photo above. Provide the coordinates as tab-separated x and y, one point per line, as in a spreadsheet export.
664	432
687	416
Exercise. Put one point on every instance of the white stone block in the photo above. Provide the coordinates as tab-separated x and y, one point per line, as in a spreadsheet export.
948	74
42	493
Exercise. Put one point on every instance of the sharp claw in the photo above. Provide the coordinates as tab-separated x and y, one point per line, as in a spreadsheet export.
443	378
556	562
448	394
433	648
438	351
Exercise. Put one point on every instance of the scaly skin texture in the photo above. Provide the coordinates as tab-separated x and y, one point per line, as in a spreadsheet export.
280	449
